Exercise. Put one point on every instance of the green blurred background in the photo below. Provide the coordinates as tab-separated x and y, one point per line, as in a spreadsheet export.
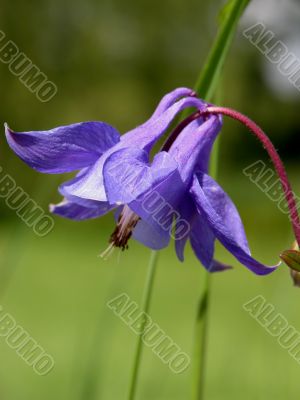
112	61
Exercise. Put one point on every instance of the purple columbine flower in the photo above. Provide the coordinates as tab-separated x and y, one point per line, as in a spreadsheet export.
85	147
150	195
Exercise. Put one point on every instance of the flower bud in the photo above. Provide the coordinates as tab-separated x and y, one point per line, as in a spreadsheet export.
296	277
292	260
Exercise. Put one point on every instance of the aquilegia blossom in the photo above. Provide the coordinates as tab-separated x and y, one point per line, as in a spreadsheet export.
150	196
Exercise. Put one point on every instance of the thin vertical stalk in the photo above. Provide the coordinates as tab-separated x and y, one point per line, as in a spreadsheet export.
200	347
209	77
202	318
206	87
145	308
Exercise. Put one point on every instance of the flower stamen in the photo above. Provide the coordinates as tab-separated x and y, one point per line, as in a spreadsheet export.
127	221
107	252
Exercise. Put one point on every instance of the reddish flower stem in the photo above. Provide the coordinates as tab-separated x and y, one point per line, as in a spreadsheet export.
278	164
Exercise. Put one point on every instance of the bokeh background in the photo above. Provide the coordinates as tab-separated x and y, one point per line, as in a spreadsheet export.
112	61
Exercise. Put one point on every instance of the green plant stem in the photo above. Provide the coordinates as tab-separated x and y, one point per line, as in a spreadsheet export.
205	87
202	318
145	308
210	74
199	352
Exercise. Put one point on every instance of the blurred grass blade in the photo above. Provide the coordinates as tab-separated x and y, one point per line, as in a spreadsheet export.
211	72
206	87
200	340
147	295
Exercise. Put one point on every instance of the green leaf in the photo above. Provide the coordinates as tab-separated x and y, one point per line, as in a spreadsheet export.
211	72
